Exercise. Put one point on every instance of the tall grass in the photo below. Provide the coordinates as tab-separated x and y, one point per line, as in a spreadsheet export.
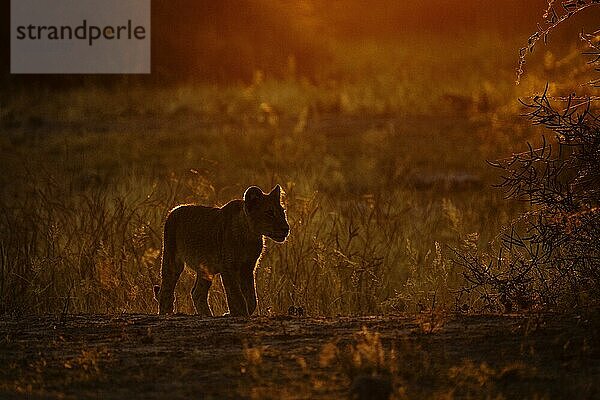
86	232
383	168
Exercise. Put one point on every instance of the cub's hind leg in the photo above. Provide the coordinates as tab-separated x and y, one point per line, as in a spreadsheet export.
200	296
171	269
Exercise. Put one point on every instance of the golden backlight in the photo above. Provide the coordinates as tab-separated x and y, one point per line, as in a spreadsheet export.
399	270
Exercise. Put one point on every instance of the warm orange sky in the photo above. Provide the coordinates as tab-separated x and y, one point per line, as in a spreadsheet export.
218	38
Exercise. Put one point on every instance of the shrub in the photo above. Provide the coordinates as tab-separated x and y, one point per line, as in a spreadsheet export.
550	255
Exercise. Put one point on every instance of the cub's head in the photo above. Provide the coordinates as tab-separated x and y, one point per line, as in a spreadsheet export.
265	213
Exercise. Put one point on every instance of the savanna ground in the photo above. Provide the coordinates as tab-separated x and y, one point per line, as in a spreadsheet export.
540	356
381	152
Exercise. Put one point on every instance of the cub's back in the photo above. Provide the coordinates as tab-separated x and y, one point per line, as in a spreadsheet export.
200	233
193	222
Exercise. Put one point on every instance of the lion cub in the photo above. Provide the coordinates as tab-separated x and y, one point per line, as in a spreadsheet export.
227	241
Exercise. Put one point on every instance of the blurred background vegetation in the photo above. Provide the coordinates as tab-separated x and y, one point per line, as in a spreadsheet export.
376	118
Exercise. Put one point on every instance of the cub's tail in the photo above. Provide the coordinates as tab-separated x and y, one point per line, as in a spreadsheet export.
156	292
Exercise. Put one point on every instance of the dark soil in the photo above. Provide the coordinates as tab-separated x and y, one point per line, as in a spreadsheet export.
147	357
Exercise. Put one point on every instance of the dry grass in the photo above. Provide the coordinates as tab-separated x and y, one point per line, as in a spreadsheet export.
384	169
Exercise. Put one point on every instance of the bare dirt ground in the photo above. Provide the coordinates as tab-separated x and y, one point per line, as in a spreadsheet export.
150	357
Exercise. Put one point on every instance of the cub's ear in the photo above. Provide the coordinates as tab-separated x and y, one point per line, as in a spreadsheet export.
252	197
276	191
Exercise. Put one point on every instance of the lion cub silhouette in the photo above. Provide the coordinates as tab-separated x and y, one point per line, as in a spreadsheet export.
227	241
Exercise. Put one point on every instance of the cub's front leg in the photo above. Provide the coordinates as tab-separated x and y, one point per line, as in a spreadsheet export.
240	290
